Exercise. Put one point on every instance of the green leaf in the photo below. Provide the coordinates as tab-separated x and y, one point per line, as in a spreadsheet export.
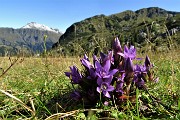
81	116
179	104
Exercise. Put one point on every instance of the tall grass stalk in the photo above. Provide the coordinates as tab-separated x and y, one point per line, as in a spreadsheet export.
137	103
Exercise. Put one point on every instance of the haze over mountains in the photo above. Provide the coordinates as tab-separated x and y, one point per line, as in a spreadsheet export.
148	25
28	39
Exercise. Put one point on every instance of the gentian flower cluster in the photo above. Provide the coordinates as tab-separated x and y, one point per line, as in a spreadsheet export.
111	76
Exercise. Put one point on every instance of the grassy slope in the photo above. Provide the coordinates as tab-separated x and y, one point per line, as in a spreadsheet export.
40	82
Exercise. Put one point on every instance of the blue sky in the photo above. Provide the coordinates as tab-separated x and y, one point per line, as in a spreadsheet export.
62	13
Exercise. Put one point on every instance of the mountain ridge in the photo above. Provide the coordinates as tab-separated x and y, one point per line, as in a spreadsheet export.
35	25
28	40
128	25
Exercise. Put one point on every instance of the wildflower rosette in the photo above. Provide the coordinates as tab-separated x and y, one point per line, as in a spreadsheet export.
111	77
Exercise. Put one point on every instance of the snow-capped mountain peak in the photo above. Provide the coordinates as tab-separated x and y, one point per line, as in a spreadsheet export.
34	25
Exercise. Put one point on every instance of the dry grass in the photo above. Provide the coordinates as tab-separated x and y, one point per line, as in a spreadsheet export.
35	82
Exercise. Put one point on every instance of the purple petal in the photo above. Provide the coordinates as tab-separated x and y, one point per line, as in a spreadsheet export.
108	80
67	74
121	54
106	103
110	88
120	91
99	81
107	65
135	79
98	74
126	50
86	57
89	77
132	49
86	63
107	76
137	68
123	76
110	55
129	65
76	95
98	66
140	83
106	94
132	56
112	72
117	45
95	59
98	89
74	70
147	61
120	85
156	80
71	68
139	58
129	52
103	56
92	73
140	69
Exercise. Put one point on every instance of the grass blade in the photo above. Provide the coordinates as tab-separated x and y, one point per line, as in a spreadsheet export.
18	100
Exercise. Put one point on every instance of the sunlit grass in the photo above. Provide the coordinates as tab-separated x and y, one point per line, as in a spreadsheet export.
40	83
30	77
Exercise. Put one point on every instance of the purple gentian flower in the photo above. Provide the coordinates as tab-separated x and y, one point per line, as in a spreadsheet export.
117	48
86	57
128	65
86	63
105	57
90	68
75	95
105	87
92	74
131	52
139	82
140	69
147	61
103	71
156	79
102	56
95	59
74	75
119	84
106	103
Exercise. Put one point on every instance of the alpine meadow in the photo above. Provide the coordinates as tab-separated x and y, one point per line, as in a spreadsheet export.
125	66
